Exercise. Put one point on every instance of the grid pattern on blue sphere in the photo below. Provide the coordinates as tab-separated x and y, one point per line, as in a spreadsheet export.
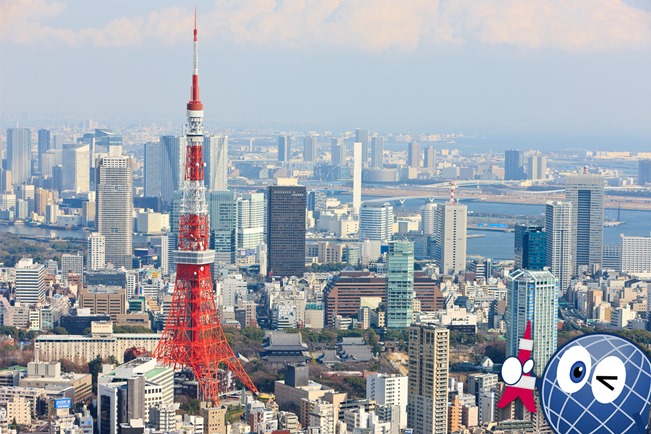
580	412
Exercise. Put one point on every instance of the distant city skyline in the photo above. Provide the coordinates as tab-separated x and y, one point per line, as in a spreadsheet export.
576	75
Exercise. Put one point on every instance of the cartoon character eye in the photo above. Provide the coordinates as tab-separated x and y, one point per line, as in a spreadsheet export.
608	379
528	366
573	369
511	371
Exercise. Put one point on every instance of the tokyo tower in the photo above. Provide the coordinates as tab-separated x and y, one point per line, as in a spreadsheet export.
193	337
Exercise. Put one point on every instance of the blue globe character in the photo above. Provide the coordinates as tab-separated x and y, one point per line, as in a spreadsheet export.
597	383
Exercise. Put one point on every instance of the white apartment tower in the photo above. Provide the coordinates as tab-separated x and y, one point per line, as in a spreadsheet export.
429	358
96	252
451	226
428	219
72	264
558	225
115	208
586	193
389	390
30	282
250	220
357	177
532	296
76	169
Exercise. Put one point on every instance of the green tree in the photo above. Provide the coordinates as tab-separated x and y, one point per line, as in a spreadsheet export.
94	368
191	406
60	331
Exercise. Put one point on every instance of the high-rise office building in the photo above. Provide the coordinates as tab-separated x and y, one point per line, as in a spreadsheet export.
430	157
357	177
361	136
644	172
635	254
376	221
429	358
30	282
115	208
153	169
338	151
216	158
44	145
96	252
532	296
530	247
400	285
286	205
309	149
558	227
223	217
428	218
250	220
586	193
173	150
284	142
19	154
377	156
76	169
413	154
452	225
513	170
537	167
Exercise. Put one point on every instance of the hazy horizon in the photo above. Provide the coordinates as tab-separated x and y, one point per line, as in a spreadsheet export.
521	74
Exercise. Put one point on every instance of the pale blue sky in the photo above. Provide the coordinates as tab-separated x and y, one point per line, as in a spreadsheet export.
545	68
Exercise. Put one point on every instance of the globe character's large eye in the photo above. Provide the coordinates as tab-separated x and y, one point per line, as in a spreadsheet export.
608	379
573	369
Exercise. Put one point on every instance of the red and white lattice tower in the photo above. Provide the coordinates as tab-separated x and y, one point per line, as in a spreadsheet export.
193	337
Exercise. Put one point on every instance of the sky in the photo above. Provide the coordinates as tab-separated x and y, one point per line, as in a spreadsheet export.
538	71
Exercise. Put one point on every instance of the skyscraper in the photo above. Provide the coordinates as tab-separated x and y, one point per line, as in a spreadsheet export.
286	205
115	208
400	285
361	136
44	144
586	193
429	358
284	148
413	154
250	220
96	252
635	254
216	157
338	151
172	159
644	172
451	220
558	227
532	296
153	169
377	157
223	217
428	218
19	154
530	247
309	149
357	177
375	222
430	157
76	169
513	170
72	264
30	282
537	167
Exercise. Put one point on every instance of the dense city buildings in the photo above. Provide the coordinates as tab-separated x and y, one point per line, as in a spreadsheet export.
115	209
532	296
586	194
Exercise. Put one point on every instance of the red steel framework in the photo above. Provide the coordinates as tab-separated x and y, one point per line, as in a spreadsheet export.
193	337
